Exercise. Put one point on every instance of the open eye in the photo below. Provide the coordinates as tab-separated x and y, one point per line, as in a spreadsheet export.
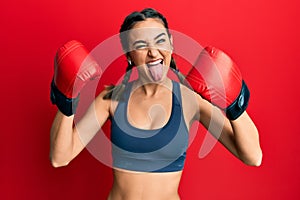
160	41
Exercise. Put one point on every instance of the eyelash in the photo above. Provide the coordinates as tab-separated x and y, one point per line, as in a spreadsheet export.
144	46
140	47
161	41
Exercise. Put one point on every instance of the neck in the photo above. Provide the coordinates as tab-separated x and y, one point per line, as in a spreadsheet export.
151	89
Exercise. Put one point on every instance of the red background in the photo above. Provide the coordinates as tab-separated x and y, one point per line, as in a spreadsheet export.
261	36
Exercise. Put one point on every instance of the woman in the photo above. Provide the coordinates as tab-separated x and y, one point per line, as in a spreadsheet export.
151	117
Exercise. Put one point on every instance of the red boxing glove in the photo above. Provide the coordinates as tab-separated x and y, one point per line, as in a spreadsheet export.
217	79
73	68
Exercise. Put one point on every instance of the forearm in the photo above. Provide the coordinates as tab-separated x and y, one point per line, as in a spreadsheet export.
230	94
74	67
246	139
63	139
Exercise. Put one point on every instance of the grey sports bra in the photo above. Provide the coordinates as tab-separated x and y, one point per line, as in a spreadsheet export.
158	150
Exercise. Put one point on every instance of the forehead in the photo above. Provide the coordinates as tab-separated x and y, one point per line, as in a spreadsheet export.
146	30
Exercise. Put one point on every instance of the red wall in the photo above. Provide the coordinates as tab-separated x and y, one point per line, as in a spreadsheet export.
261	36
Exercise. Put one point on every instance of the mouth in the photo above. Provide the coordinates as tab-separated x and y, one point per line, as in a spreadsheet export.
154	63
155	68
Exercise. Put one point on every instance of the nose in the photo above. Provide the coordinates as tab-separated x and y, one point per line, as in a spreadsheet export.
153	52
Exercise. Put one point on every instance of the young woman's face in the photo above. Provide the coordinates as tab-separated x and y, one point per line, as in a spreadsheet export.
150	49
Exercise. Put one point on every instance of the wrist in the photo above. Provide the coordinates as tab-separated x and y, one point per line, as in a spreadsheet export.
240	104
66	105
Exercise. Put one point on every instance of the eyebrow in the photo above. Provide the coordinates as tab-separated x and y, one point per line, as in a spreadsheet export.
159	35
142	41
138	41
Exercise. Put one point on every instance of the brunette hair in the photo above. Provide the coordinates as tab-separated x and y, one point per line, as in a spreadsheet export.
116	92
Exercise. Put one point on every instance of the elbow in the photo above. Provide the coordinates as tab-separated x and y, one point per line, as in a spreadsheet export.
255	160
56	164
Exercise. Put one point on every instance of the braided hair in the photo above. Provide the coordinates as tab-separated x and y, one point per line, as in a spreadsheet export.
116	92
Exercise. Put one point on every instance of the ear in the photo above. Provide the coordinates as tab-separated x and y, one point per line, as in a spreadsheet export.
129	61
128	56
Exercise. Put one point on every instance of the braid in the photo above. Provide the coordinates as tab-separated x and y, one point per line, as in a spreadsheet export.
174	68
115	92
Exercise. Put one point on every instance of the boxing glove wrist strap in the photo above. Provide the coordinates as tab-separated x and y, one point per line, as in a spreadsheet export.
240	104
66	105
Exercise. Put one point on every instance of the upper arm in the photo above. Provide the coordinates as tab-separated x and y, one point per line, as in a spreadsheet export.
213	119
70	135
239	136
96	115
190	105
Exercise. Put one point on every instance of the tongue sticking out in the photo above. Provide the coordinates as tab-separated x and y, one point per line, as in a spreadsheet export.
156	71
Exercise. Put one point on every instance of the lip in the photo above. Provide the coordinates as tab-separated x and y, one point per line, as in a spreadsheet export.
154	62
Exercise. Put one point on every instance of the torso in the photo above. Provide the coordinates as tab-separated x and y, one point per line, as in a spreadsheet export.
145	186
157	109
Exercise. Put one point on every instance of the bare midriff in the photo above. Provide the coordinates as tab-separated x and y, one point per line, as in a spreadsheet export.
130	185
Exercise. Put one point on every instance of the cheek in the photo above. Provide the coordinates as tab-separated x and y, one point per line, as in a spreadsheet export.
167	56
137	59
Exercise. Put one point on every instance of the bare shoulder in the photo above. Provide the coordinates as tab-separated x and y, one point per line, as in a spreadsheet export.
102	94
104	104
93	119
100	97
190	103
189	95
186	90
